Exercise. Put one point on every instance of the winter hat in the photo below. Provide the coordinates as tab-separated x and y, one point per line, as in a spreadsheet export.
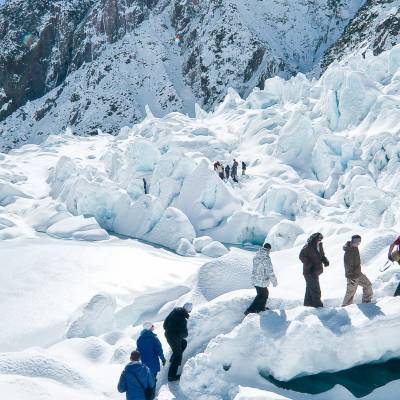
267	246
148	325
356	238
188	307
314	237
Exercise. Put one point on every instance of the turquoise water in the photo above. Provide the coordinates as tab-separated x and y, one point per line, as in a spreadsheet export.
360	380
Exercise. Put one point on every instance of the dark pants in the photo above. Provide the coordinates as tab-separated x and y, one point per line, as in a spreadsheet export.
312	297
397	292
178	346
259	302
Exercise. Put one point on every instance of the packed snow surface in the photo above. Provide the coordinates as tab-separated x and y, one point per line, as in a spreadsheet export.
76	287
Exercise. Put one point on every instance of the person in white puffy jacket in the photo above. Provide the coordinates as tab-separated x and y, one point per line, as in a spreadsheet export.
263	274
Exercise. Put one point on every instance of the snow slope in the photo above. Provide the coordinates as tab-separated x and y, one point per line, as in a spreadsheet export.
322	156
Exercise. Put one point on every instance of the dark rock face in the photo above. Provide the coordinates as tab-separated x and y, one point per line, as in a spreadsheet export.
36	47
376	27
95	64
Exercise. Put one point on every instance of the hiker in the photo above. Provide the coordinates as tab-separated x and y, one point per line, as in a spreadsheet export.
178	39
216	165
395	256
352	266
145	186
262	276
150	349
312	256
176	332
227	169
137	380
244	166
221	171
234	171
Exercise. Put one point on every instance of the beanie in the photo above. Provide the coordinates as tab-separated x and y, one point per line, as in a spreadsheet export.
147	325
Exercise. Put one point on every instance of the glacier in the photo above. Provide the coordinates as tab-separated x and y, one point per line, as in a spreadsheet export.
90	255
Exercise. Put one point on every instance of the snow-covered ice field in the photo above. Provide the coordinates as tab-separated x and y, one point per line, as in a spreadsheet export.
87	256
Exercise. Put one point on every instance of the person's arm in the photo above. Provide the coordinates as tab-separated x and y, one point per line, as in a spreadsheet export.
159	350
324	260
390	251
181	323
270	271
122	383
303	257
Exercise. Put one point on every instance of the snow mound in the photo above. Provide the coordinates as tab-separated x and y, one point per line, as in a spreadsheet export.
225	274
283	235
247	393
185	248
214	249
39	366
78	228
340	337
200	242
9	193
95	318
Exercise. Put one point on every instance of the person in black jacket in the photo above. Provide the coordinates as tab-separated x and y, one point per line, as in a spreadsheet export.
227	170
244	167
312	256
234	170
175	326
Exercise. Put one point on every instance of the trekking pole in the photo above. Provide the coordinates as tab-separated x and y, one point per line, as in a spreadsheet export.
387	265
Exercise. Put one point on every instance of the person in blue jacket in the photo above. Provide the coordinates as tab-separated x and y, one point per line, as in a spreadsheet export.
150	348
136	379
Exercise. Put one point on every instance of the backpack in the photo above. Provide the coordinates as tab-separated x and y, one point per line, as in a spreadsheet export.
149	392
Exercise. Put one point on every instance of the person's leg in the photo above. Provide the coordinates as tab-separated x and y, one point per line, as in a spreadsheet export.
254	305
397	292
176	357
307	296
263	299
366	284
351	290
313	297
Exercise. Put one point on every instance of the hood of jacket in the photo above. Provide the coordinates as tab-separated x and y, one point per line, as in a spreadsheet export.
348	247
133	367
147	334
312	240
263	251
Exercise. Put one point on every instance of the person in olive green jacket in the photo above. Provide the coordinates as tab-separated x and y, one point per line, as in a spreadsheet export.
355	278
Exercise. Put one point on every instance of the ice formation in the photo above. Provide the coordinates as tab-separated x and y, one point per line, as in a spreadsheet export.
322	155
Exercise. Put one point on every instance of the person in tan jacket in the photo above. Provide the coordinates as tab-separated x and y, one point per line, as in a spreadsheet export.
352	266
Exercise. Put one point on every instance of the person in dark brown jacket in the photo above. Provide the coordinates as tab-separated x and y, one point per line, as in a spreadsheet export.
352	266
313	257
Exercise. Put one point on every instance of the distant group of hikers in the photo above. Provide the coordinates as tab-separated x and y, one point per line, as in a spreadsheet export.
225	172
139	377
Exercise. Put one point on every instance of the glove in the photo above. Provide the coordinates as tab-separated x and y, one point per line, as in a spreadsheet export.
353	282
274	281
325	261
163	362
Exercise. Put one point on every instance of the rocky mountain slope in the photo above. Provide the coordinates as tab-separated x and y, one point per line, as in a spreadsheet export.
95	64
375	28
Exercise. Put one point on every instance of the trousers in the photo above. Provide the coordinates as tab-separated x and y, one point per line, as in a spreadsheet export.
312	297
259	302
178	346
352	285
